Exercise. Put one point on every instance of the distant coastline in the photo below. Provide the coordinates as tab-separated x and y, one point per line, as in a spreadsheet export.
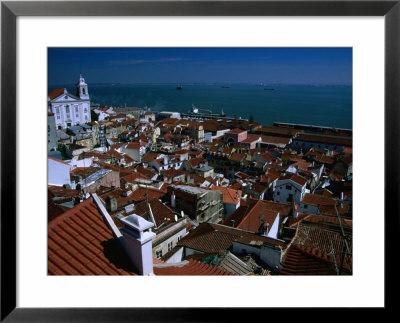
326	105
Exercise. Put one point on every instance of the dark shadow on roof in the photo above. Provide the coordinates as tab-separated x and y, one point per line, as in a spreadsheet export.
114	252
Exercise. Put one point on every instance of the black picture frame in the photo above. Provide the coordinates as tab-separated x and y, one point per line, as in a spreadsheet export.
10	10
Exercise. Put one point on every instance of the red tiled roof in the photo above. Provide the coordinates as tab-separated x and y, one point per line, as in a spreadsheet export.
115	153
173	172
59	191
229	195
330	209
299	262
161	212
122	170
325	160
236	186
278	130
237	157
258	188
150	156
145	172
268	157
195	161
273	174
251	138
211	238
140	194
236	131
193	267
275	140
227	150
133	145
55	93
317	200
311	250
242	175
80	243
295	178
324	192
131	178
348	150
319	219
248	217
327	140
117	194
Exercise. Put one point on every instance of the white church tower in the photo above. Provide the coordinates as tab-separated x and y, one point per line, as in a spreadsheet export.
82	89
70	110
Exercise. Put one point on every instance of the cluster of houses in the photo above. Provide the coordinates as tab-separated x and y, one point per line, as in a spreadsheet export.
132	192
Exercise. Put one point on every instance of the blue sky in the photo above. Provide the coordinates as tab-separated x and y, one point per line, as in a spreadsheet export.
201	65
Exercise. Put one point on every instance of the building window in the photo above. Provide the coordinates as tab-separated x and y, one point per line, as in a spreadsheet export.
159	253
179	238
288	187
76	109
77	116
169	246
305	206
85	110
278	193
67	108
57	110
48	128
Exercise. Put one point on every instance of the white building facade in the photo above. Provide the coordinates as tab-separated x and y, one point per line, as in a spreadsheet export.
289	187
68	109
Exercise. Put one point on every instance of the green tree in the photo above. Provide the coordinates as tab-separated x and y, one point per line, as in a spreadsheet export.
94	116
61	148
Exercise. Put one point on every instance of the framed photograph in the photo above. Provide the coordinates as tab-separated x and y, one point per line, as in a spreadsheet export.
344	51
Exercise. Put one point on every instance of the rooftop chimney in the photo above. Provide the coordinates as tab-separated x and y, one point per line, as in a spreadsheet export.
111	203
138	237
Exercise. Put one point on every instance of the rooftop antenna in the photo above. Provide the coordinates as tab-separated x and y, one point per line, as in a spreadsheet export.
346	248
332	252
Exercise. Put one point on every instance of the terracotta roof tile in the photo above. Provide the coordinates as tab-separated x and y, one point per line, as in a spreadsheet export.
311	250
317	200
211	238
192	267
295	178
298	262
275	140
229	195
248	217
80	243
55	93
323	140
237	157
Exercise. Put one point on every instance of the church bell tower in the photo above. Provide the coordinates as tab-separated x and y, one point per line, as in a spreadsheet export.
82	89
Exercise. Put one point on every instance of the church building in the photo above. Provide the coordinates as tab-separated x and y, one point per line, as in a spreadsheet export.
70	110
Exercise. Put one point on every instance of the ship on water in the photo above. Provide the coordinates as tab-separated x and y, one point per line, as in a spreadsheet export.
179	87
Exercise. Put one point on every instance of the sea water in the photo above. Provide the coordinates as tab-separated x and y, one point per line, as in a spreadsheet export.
306	104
